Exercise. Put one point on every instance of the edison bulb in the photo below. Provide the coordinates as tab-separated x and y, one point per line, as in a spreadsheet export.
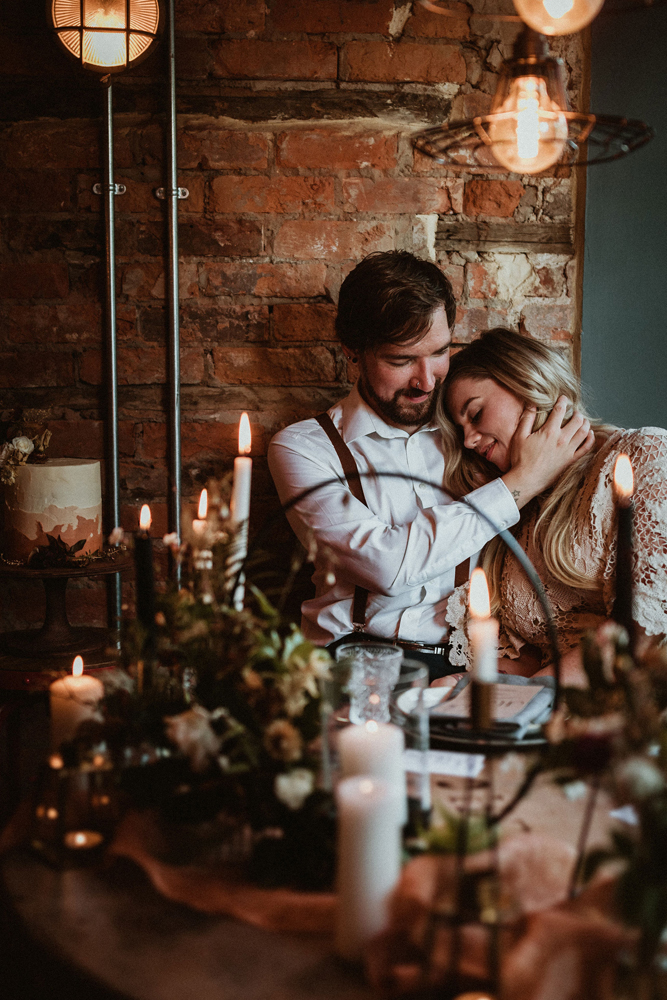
557	17
528	131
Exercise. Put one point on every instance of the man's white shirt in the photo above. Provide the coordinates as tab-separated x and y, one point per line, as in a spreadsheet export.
404	546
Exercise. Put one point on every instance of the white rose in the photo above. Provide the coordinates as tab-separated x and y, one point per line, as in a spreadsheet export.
294	787
23	444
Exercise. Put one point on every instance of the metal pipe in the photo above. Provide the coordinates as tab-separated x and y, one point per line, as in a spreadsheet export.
174	353
112	483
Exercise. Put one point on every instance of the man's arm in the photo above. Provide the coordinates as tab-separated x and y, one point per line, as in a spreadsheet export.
538	458
386	559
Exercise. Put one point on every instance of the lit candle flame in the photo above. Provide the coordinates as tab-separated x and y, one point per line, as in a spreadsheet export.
480	605
145	518
203	505
77	666
624	483
366	786
245	438
558	8
371	727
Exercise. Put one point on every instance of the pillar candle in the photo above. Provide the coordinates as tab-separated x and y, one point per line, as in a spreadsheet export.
73	699
623	490
369	861
376	749
483	635
144	579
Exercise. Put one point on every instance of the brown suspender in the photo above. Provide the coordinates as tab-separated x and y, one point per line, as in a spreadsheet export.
351	472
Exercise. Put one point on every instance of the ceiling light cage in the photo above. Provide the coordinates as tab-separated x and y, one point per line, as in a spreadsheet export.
106	36
466	145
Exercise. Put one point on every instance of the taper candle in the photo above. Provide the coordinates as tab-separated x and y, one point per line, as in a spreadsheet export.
144	579
483	635
239	508
623	490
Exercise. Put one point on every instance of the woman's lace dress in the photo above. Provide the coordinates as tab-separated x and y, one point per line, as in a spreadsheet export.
594	538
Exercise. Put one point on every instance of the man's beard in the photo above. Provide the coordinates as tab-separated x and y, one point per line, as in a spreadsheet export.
398	410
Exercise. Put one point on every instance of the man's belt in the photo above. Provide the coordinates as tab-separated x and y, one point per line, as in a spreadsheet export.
423	647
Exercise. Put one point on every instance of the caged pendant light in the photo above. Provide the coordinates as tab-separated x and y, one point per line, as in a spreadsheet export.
106	36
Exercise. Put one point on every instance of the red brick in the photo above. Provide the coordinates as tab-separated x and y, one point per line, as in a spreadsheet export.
335	150
27	369
36	279
355	16
471	322
143	366
481	281
288	280
214	438
455	273
219	18
394	195
147	482
74	321
85	438
485	197
546	321
221	149
424	23
138	281
203	321
34	191
194	60
275	60
332	241
549	281
378	61
274	366
275	194
153	441
304	321
35	145
220	238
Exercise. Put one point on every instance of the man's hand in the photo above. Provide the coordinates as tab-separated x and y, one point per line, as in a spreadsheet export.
538	458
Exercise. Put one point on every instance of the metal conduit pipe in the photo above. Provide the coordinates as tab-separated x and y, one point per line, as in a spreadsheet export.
174	353
112	475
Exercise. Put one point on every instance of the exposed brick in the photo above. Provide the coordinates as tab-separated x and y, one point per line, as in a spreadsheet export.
215	437
205	322
75	321
288	280
138	281
546	321
34	191
424	23
395	195
305	240
56	146
218	18
274	366
470	322
304	321
486	197
333	16
377	61
221	238
153	441
275	60
549	281
275	194
201	145
35	368
481	281
335	150
34	279
195	58
455	273
85	438
135	237
143	366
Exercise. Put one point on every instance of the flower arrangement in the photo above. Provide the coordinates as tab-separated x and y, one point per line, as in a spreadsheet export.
223	705
27	441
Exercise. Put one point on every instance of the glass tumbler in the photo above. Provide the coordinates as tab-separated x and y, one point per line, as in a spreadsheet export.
372	671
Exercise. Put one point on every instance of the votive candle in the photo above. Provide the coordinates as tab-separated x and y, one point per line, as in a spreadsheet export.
72	700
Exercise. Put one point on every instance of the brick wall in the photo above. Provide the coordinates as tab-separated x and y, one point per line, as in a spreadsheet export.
295	119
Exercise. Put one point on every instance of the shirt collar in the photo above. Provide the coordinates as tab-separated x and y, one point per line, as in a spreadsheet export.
360	420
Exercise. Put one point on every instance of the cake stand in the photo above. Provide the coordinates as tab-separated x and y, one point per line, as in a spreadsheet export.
57	636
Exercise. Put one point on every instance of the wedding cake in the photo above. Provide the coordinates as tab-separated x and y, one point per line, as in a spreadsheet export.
60	497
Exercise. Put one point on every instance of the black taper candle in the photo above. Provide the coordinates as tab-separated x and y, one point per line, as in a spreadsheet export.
144	577
623	487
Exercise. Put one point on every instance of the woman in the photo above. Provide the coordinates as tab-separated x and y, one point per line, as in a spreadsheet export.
569	532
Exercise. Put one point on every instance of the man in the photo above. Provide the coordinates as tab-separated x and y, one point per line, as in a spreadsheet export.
387	558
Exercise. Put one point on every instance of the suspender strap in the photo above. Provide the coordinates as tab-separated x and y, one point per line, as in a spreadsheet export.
354	482
462	571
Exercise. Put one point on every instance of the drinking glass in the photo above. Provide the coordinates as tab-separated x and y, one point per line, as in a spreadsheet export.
372	671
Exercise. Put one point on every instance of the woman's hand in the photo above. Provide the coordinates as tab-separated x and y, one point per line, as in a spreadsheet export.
538	458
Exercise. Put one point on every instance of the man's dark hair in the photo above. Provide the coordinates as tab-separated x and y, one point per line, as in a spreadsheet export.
390	297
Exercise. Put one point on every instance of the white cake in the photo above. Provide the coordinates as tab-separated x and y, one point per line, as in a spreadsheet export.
62	496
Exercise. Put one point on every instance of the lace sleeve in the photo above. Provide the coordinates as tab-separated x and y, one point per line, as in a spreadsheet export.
647	450
509	645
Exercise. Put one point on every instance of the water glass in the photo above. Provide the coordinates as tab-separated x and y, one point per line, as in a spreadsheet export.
372	671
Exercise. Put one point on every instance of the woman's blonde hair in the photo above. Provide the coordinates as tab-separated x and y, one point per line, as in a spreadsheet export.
536	375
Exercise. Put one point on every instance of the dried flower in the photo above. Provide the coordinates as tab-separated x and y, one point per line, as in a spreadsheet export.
283	741
117	536
23	445
294	787
192	733
637	778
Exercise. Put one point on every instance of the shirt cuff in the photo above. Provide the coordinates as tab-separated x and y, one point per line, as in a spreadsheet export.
495	500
